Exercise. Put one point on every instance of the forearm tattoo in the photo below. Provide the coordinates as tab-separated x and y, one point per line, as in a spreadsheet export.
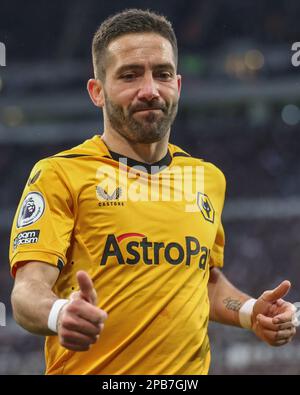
232	304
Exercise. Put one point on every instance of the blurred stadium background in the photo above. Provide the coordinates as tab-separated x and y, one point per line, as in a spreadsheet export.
240	109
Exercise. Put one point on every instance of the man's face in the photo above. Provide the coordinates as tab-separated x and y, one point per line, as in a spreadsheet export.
141	88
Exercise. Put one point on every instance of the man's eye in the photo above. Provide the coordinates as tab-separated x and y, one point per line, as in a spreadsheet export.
128	77
165	75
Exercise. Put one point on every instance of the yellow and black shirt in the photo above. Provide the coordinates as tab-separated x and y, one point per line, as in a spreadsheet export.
146	238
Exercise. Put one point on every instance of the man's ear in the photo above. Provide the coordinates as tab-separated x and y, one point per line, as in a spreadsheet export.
95	89
179	84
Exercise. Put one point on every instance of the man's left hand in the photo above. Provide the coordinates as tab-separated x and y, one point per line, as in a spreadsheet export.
273	318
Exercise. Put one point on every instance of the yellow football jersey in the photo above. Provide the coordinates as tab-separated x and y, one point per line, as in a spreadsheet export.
146	238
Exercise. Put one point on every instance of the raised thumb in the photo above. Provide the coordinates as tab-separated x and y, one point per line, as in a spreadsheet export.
86	287
278	292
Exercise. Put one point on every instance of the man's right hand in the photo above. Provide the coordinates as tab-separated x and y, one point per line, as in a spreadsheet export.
80	322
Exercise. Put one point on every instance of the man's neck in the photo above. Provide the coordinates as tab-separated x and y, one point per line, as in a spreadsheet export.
146	153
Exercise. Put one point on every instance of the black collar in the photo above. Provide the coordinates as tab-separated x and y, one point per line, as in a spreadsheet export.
148	168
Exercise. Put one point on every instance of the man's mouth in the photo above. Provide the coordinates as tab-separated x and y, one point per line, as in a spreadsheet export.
148	109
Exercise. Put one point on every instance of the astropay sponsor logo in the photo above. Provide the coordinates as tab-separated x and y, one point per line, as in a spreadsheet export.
138	184
136	248
2	54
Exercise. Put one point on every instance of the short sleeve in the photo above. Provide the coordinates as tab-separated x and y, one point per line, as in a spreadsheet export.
217	253
44	219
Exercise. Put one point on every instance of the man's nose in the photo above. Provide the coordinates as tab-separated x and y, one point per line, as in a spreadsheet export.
148	89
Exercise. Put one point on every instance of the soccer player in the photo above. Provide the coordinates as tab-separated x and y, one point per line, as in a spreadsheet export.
117	244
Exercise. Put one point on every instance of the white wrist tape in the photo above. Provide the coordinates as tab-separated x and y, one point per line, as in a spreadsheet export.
54	312
245	313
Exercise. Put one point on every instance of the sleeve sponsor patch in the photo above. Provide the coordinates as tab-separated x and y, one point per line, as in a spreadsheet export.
30	237
31	210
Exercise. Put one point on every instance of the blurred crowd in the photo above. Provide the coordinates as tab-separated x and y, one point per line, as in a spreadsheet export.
62	29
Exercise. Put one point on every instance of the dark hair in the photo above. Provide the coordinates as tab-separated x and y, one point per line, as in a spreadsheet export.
129	21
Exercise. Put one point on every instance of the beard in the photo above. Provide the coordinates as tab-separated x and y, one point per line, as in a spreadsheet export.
143	128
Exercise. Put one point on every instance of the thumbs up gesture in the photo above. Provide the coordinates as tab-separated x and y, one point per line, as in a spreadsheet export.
86	289
273	318
80	321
